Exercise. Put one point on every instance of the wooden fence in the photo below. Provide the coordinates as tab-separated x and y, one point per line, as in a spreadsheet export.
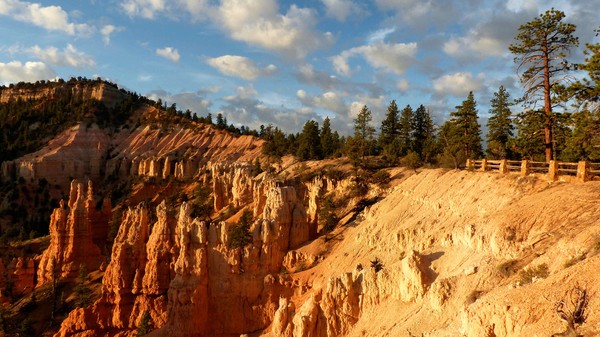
582	170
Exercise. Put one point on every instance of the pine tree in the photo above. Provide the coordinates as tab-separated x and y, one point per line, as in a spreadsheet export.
328	145
423	139
309	142
449	138
465	119
500	127
239	234
405	130
541	48
389	135
584	144
363	141
390	125
529	143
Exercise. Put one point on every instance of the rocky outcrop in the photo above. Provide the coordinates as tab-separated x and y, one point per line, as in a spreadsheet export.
101	91
188	310
76	153
136	280
72	235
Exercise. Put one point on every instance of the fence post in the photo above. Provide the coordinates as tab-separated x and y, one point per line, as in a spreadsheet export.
525	167
553	170
484	164
503	166
582	171
470	164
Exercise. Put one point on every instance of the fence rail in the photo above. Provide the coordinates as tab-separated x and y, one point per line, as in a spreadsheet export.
582	170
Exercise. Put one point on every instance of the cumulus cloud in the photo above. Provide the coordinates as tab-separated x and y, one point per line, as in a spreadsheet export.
144	8
258	22
15	71
240	66
169	53
395	57
330	100
69	56
194	101
458	84
150	9
106	31
246	108
52	18
341	9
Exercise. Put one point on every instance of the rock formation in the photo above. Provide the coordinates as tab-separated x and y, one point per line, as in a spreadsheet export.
72	236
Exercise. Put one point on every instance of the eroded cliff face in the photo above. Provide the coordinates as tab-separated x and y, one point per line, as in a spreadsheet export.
100	91
183	272
73	228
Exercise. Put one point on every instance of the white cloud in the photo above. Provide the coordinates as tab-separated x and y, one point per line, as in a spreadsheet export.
239	66
106	31
340	9
150	9
402	85
458	84
52	18
391	57
258	22
69	56
15	71
380	35
329	100
169	53
144	8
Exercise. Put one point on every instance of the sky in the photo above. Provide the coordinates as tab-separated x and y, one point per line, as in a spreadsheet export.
282	62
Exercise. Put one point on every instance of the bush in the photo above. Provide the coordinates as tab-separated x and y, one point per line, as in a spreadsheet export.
528	275
381	178
411	160
239	234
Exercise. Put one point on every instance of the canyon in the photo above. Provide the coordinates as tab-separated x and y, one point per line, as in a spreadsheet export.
435	253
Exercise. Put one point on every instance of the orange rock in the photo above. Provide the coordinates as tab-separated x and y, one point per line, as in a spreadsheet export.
71	237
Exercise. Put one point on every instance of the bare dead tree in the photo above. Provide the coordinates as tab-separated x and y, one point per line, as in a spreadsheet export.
572	310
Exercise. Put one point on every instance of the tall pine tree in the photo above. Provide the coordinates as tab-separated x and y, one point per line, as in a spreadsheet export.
465	119
328	142
363	141
423	138
309	142
390	131
500	127
542	46
406	130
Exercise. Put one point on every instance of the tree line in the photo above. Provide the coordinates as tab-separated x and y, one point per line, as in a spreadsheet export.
536	133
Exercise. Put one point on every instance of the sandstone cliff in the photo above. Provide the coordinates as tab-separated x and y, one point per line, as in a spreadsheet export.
443	239
72	232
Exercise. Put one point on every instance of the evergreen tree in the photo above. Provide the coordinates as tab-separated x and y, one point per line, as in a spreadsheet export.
449	138
327	139
542	46
584	144
363	140
588	89
423	138
465	119
239	234
145	325
309	142
221	121
390	131
500	127
406	130
390	125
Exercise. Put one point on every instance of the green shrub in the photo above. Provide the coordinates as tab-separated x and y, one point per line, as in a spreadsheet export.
381	178
411	160
239	234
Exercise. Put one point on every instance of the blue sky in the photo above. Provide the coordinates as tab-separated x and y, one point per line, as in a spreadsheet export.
281	62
